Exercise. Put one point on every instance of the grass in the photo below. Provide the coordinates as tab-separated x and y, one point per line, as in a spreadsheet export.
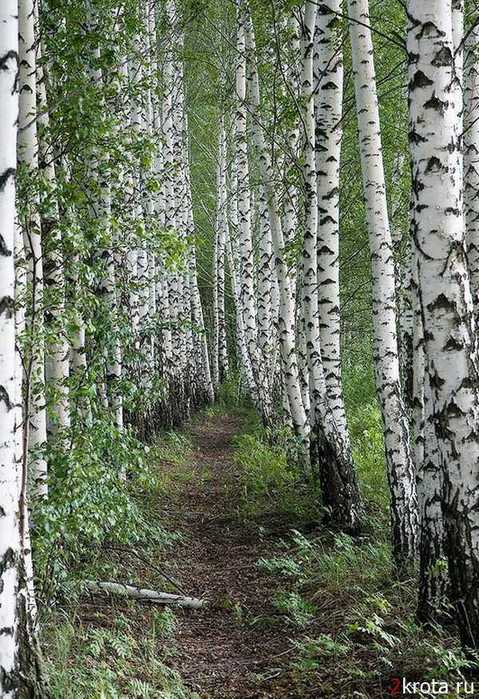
351	621
110	650
86	661
271	480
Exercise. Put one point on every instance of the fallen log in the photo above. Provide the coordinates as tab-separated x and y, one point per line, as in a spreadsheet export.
142	595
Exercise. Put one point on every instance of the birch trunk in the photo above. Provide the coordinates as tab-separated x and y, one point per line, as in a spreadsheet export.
245	241
57	355
19	660
286	315
28	160
386	360
234	271
197	318
10	550
435	103
471	161
331	455
433	578
220	353
328	113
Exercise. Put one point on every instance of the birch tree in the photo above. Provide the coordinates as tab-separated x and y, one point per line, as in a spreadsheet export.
435	103
30	221
396	433
328	88
19	666
471	158
57	355
220	353
286	314
330	452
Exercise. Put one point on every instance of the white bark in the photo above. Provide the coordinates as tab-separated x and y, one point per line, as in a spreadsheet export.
435	103
17	644
10	544
28	159
234	272
331	455
471	160
328	112
286	315
57	355
245	241
396	434
143	594
220	351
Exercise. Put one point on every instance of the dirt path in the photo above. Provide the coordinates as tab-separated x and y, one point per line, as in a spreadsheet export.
224	651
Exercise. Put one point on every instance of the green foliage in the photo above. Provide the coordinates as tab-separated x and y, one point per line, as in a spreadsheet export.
366	430
309	651
169	459
298	611
229	395
108	663
88	499
116	655
172	447
164	623
270	481
368	623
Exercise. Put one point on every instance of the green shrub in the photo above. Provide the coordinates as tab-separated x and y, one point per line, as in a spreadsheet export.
103	663
270	481
88	500
298	610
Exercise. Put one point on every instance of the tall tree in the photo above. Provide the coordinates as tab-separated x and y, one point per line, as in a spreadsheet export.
286	312
331	455
471	158
30	222
328	90
435	99
396	433
19	662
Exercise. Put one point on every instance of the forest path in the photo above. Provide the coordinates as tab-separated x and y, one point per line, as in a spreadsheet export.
224	650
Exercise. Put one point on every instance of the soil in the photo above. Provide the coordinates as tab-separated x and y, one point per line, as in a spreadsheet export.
238	646
225	650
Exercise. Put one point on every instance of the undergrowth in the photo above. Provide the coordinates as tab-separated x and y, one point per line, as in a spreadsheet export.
351	622
112	662
106	650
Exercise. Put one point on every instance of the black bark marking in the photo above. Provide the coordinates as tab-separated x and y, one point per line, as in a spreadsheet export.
4	251
420	79
5	176
6	58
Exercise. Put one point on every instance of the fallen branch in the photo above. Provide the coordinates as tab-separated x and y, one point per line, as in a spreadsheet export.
143	595
144	559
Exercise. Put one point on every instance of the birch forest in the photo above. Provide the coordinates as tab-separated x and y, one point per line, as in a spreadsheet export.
239	371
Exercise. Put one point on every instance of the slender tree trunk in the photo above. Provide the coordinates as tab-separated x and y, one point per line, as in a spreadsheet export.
200	356
433	578
331	455
245	240
234	271
28	160
20	671
220	353
286	315
386	360
471	161
266	287
57	354
328	96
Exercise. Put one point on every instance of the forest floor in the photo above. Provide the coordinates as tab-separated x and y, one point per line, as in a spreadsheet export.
320	616
221	651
